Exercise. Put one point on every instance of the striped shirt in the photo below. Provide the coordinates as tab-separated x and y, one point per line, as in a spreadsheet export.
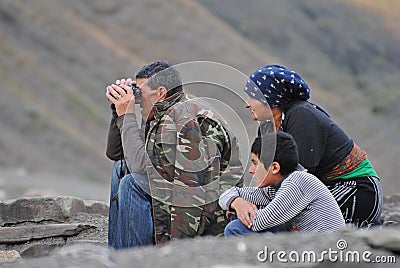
301	200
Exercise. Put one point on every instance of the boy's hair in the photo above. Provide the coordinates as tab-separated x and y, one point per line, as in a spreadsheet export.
256	147
161	73
278	147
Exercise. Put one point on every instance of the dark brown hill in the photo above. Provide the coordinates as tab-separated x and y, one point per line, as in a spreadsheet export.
56	57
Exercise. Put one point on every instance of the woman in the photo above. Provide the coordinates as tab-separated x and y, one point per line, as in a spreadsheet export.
281	95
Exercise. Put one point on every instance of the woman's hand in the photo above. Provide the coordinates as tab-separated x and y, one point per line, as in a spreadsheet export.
244	210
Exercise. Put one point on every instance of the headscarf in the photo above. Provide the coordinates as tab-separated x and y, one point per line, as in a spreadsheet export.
276	86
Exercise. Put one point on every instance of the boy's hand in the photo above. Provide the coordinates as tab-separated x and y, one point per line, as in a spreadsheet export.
244	210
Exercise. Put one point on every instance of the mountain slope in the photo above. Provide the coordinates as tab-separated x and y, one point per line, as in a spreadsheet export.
56	57
343	48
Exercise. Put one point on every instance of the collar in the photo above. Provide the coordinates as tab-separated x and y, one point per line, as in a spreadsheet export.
161	106
276	187
298	168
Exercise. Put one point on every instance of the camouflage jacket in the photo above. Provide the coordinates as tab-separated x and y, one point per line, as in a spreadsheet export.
192	158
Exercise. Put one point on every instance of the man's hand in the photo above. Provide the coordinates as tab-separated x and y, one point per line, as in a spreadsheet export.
122	96
244	210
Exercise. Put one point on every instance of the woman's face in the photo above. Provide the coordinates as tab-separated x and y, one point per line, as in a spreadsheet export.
259	111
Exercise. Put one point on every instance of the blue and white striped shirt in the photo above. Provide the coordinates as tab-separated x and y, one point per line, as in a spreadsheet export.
302	199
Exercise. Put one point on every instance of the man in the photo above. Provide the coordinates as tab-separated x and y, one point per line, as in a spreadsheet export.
180	161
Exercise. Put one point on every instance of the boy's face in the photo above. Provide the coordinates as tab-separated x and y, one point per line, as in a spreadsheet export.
264	176
254	163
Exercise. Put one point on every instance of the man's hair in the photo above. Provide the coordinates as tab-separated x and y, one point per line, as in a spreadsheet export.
161	73
279	147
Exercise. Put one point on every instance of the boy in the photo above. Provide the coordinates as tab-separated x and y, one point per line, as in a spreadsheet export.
283	196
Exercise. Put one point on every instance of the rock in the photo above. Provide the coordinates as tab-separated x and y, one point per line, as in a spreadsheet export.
385	238
89	246
39	209
386	199
33	209
27	233
96	207
9	256
395	198
39	225
39	249
237	252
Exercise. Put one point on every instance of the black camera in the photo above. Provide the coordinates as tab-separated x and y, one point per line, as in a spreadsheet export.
136	92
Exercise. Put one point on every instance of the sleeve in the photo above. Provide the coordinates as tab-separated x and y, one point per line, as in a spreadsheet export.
133	142
114	149
257	196
288	203
311	140
227	197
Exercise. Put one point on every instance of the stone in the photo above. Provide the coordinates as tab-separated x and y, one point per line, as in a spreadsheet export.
395	198
384	238
27	233
9	256
37	226
219	252
96	207
386	199
52	209
89	247
34	209
39	249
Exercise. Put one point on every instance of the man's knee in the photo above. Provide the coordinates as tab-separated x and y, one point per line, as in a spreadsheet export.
116	173
130	186
125	183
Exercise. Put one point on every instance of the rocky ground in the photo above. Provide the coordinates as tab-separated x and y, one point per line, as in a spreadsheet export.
71	232
37	226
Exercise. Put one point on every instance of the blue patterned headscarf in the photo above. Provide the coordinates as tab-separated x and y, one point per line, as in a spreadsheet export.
276	86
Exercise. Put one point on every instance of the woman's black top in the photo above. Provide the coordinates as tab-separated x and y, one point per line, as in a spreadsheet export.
321	142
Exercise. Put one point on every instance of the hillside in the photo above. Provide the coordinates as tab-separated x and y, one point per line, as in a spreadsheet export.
55	66
340	46
347	51
56	57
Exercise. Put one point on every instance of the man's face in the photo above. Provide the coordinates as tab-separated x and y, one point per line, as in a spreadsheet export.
149	97
259	111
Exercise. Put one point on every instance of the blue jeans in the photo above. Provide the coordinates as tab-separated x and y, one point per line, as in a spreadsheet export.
130	222
236	227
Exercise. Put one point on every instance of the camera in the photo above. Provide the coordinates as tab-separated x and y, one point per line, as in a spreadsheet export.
136	92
